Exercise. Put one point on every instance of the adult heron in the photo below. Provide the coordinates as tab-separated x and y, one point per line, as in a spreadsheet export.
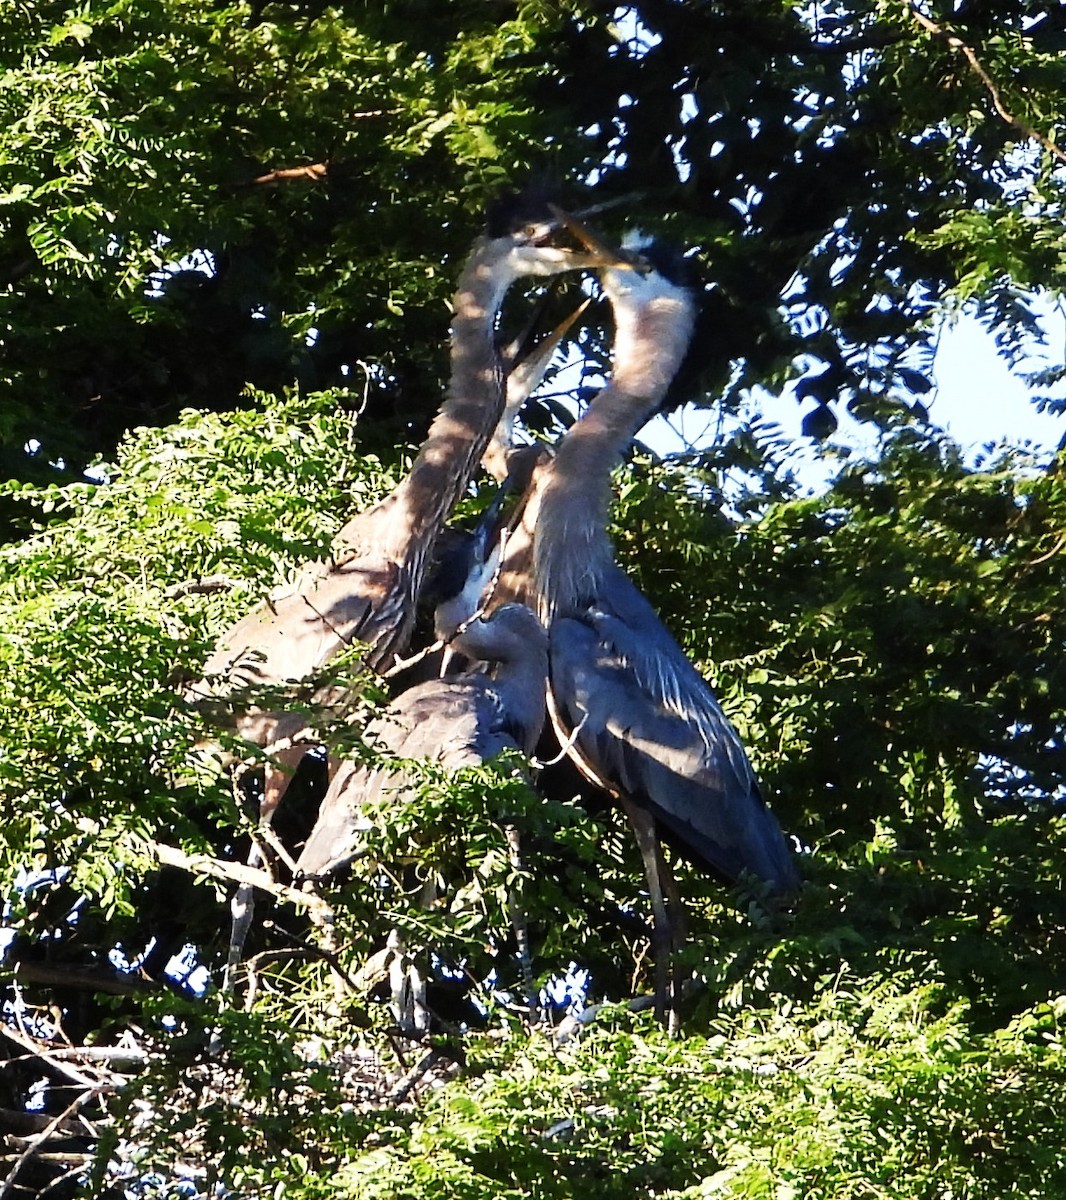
367	591
636	717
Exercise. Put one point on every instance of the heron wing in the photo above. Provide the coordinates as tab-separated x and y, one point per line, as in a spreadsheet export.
363	600
650	726
456	723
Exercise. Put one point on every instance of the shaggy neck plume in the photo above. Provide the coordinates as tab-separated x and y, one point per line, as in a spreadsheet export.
571	546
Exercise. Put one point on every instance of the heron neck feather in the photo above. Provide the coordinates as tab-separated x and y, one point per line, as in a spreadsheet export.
405	522
571	546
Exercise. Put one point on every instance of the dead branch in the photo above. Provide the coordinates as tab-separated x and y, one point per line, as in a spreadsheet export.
32	1150
989	84
204	864
26	1124
408	1083
46	1054
203	586
89	981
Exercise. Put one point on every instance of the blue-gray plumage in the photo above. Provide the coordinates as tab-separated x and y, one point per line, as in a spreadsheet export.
653	730
644	723
459	721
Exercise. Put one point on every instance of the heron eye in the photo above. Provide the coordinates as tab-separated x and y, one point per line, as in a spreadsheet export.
536	234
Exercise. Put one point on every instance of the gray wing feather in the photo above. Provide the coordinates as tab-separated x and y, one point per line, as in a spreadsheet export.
654	729
458	723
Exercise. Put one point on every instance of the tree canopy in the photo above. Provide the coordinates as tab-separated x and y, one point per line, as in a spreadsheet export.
228	234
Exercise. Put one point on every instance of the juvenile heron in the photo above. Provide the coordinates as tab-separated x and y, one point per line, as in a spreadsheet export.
455	722
458	721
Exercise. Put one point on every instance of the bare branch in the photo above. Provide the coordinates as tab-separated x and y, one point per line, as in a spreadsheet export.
89	981
203	864
204	586
315	172
46	1054
989	84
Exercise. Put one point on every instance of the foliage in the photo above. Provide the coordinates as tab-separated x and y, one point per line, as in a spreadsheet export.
875	1087
927	935
202	196
246	343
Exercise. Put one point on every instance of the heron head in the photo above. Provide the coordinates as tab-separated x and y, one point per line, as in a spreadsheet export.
641	267
529	226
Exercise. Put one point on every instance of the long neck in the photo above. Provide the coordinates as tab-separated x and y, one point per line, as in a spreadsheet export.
405	523
572	504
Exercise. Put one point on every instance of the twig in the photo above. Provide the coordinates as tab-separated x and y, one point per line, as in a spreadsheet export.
267	834
1058	546
566	747
315	172
990	86
327	956
75	1170
573	752
62	1158
203	864
203	586
407	1084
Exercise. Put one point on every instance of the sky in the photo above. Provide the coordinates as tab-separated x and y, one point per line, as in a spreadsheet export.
977	400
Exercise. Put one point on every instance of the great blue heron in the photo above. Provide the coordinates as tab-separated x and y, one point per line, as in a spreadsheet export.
455	722
367	591
634	714
458	721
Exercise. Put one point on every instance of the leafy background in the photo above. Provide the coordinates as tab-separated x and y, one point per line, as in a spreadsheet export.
227	238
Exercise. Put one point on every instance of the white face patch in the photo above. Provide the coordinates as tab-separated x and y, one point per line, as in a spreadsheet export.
638	288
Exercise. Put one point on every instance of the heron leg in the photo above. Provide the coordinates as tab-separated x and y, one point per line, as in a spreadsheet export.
658	874
242	907
520	925
407	982
678	932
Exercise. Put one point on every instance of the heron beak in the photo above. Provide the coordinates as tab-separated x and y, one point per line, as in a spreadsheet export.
604	254
529	360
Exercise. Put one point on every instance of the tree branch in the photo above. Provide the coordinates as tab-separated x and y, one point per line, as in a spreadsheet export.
989	84
315	172
203	864
203	586
91	981
33	1150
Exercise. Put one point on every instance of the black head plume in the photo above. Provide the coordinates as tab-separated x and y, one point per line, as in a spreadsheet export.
664	257
511	212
